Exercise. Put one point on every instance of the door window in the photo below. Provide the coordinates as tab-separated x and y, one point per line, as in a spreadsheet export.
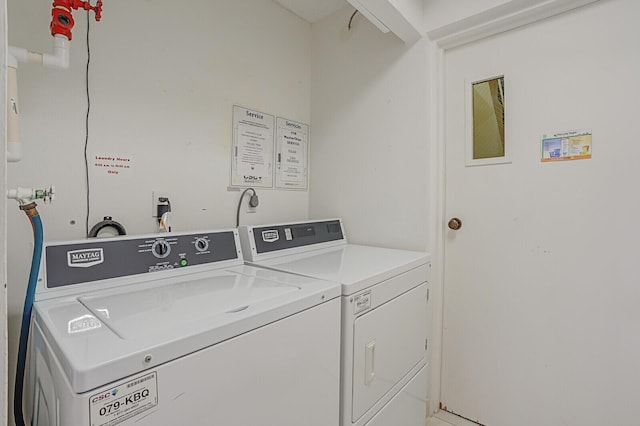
485	123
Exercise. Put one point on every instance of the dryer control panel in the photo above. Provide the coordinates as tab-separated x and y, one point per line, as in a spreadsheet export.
272	238
100	259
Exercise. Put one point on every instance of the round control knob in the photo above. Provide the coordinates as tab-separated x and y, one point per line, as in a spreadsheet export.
202	244
160	249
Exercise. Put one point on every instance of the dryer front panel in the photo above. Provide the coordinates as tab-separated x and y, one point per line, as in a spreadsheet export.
389	341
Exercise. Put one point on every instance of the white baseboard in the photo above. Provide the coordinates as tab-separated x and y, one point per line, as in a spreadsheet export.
453	419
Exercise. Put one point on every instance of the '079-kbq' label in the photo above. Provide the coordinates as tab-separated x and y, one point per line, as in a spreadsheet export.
115	405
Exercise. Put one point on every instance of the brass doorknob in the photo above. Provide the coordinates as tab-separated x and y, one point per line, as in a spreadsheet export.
455	223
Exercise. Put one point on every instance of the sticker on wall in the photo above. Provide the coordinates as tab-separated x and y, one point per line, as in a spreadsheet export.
252	150
572	145
292	151
111	165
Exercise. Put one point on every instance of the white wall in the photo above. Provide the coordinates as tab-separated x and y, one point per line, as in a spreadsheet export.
163	79
412	10
369	155
443	12
3	220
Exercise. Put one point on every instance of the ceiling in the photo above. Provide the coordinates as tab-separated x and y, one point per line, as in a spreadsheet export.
312	10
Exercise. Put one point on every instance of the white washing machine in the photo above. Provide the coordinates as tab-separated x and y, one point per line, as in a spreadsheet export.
384	314
174	329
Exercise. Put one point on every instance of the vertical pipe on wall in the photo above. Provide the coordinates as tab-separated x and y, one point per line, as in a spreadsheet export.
14	148
59	60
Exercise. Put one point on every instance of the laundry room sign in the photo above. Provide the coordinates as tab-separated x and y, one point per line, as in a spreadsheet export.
252	153
111	165
291	154
268	152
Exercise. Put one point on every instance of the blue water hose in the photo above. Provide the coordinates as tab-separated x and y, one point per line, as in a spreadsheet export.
36	223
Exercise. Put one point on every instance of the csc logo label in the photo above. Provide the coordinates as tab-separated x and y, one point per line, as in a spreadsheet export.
104	396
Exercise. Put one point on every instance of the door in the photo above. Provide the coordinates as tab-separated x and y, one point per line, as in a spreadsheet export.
541	319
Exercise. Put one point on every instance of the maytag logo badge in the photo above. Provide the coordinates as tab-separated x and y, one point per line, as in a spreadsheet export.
85	258
270	236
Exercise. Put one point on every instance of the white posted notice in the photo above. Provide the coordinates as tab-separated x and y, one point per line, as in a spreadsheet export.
253	147
252	153
111	165
292	152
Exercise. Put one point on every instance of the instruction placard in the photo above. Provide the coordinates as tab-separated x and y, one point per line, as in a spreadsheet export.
252	151
292	150
571	145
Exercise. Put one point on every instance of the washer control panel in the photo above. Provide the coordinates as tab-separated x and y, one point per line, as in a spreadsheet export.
100	259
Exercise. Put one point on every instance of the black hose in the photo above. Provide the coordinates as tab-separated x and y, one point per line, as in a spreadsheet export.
106	223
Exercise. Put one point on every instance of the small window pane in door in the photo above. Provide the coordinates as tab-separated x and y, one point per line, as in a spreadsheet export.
488	119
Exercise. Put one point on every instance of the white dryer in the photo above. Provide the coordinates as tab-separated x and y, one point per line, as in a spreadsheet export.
174	329
384	314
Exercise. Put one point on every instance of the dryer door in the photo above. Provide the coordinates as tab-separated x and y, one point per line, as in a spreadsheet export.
388	342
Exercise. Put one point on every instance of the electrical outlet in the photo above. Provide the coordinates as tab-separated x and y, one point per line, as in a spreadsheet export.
252	203
155	199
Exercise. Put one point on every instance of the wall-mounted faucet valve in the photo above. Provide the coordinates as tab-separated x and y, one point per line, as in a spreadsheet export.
27	195
62	19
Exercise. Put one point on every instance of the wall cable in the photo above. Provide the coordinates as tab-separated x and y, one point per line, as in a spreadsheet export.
86	137
351	19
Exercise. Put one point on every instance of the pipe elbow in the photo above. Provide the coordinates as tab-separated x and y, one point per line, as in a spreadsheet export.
60	57
16	55
14	151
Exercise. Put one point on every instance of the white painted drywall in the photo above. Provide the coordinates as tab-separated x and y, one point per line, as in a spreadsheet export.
438	13
370	156
412	10
163	80
3	218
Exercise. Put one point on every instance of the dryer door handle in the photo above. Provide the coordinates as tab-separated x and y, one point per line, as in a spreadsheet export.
369	362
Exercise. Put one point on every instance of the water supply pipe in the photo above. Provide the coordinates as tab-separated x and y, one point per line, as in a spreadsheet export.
61	25
26	199
18	395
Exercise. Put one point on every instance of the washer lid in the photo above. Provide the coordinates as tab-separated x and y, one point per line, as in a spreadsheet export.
354	266
159	310
107	335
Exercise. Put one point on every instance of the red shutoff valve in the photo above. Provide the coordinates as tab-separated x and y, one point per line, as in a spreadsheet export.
62	20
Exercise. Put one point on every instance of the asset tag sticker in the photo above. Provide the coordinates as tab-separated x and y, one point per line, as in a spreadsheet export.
362	302
121	403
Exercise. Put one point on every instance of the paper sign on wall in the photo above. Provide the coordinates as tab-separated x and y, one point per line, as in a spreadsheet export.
252	151
292	154
111	165
572	145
